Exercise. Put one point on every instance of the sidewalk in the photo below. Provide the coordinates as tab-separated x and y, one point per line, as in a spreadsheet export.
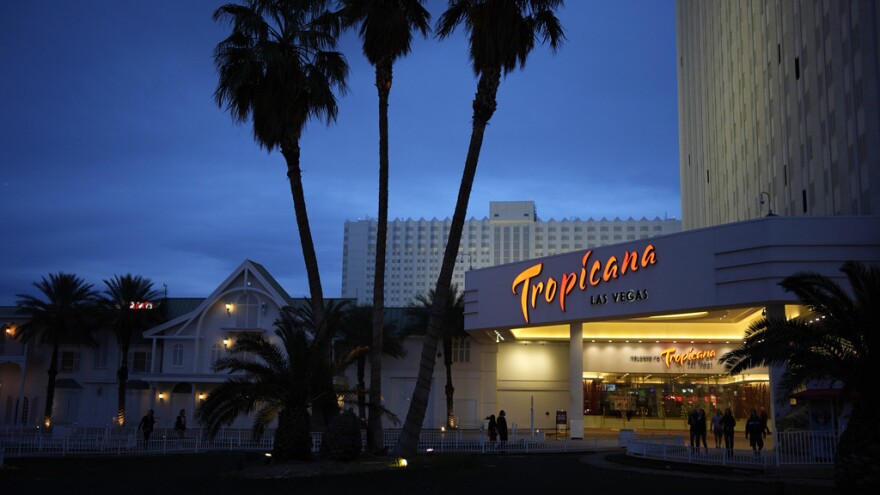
818	478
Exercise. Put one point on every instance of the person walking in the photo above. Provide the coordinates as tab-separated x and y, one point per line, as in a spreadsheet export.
146	425
501	424
716	428
180	424
493	429
755	433
728	424
765	421
701	430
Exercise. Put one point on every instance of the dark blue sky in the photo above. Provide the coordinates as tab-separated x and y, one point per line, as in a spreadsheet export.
115	159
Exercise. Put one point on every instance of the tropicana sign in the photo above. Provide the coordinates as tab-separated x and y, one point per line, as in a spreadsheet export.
597	273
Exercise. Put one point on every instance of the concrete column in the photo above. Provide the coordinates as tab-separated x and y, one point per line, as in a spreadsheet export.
779	405
575	381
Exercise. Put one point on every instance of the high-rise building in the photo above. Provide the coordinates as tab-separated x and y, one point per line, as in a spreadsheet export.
512	232
778	108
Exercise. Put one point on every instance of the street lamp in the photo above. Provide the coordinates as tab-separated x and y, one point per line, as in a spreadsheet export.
470	259
769	208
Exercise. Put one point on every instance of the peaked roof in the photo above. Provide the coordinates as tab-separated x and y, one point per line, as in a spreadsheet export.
273	287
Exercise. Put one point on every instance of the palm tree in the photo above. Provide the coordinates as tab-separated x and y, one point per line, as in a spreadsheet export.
126	318
386	29
278	69
836	344
502	34
275	386
63	316
451	329
325	407
357	333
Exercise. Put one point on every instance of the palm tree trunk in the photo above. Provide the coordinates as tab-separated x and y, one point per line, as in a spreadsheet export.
122	378
450	390
50	388
484	106
362	387
291	154
374	429
293	440
326	405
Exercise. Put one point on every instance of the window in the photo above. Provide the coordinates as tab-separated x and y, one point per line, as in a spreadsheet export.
461	350
217	352
247	311
69	361
102	352
140	361
177	355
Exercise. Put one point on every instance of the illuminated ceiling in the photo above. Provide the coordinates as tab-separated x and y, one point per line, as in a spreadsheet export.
697	326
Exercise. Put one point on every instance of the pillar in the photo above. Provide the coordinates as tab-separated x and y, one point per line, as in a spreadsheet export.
779	405
576	380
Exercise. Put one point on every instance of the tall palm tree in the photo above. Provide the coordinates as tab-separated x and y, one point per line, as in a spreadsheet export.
126	319
278	69
357	333
451	329
275	386
386	29
836	344
63	315
502	34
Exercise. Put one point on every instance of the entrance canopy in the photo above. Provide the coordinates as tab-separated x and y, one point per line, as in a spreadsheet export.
702	284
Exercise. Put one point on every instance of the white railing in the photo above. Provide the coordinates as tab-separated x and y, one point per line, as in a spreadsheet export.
127	441
802	448
792	448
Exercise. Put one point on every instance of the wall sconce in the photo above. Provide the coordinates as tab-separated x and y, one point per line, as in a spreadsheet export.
228	309
9	329
202	396
769	207
161	395
226	343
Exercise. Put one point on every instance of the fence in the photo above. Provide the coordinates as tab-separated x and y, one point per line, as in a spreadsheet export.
127	441
802	448
791	448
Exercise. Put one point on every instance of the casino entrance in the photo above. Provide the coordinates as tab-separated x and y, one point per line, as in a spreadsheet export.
663	401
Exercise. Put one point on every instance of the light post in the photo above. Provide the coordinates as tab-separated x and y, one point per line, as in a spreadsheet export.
470	259
769	208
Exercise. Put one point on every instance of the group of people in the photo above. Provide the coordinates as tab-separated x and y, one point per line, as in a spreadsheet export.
497	427
148	424
723	425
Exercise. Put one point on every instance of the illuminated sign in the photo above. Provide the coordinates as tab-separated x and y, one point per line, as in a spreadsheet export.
140	305
591	274
690	358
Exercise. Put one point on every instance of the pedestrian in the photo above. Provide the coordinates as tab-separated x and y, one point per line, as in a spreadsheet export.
755	433
493	428
501	424
728	423
716	427
765	421
697	423
180	424
701	429
146	425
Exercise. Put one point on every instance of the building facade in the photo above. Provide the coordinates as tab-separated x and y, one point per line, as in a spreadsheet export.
512	232
779	109
630	335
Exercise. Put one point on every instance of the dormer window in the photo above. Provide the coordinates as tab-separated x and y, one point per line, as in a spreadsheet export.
247	311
